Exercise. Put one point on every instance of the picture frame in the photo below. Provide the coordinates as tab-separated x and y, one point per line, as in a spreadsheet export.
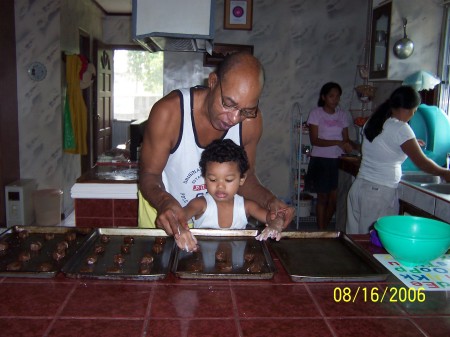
238	14
221	50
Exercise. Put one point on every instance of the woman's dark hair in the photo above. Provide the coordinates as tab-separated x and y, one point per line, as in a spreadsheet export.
404	97
326	88
223	151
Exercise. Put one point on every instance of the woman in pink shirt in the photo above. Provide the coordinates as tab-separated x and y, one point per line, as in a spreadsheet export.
328	125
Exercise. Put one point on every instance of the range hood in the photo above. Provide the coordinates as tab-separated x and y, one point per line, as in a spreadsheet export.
174	25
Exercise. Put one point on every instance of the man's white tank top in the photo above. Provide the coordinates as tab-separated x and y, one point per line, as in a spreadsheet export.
210	219
182	176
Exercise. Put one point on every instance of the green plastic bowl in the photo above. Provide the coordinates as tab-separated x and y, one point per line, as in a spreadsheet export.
413	240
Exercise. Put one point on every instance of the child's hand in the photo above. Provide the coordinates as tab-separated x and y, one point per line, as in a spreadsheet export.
185	240
273	229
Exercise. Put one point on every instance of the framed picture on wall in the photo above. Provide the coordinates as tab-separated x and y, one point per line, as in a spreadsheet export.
238	14
220	50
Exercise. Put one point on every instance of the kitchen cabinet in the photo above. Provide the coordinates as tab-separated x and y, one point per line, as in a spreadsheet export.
424	24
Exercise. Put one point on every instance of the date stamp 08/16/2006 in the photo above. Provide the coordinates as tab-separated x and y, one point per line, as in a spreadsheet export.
378	295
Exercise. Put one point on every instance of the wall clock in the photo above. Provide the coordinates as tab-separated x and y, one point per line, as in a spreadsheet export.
37	71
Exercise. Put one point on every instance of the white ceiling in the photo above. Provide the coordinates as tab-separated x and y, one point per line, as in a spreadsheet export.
114	6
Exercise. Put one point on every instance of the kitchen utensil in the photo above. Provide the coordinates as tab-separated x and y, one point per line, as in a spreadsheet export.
325	257
404	47
413	240
143	242
50	237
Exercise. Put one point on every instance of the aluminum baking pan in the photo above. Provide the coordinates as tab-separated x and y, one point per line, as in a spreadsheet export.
225	254
32	268
131	269
326	257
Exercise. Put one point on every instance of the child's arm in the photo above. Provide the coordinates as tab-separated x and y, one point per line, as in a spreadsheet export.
195	208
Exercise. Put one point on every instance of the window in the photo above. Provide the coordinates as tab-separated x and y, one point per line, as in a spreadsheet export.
138	83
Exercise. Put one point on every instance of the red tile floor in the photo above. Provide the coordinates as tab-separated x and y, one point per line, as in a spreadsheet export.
64	307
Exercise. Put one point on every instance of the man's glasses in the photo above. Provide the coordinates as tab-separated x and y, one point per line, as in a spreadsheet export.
247	113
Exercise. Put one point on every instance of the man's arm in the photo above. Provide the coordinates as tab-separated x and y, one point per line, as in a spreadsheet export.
161	134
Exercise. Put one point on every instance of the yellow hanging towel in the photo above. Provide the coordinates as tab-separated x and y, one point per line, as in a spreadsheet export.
76	106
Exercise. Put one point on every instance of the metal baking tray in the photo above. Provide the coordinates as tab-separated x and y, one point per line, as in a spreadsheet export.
144	240
31	268
225	254
326	257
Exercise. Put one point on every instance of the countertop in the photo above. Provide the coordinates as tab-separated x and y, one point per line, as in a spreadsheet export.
111	173
173	307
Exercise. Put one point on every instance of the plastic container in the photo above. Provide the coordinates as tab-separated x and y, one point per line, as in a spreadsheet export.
305	205
413	240
47	206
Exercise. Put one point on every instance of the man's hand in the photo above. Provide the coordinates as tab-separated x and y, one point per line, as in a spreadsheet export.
172	219
277	207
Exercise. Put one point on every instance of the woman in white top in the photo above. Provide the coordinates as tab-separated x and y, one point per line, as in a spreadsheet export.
387	141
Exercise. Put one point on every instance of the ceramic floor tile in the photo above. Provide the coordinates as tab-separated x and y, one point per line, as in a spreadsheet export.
284	327
331	300
23	327
117	300
274	301
96	328
375	327
434	326
199	301
40	299
194	328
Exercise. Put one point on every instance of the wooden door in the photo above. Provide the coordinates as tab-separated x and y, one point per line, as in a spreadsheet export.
103	103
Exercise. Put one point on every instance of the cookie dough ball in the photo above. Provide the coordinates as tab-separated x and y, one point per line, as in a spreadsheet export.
3	246
160	240
104	238
147	259
14	266
128	240
99	249
59	254
49	236
35	246
45	266
70	236
125	249
91	259
62	245
23	234
157	249
24	256
119	259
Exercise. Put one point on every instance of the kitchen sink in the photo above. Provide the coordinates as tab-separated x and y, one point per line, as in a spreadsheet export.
438	188
421	178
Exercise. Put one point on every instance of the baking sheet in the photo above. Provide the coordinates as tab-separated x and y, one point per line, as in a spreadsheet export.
225	254
326	257
106	268
31	268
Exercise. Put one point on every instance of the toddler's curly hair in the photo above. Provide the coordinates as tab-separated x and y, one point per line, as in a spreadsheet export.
222	151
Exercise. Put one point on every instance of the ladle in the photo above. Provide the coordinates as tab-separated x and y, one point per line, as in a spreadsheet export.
404	47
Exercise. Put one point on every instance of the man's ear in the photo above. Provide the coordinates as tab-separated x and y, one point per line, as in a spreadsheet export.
242	179
212	80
